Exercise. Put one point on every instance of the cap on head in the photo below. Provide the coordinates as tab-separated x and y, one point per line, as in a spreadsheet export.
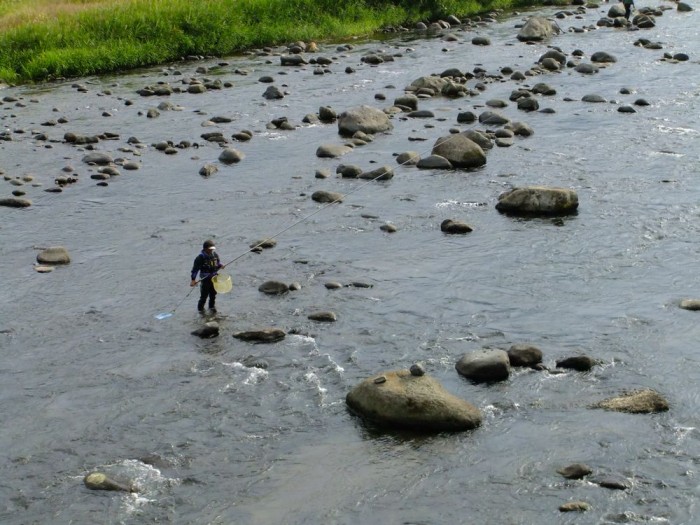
208	245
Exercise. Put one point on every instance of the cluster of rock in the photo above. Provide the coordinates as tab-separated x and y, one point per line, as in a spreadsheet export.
410	399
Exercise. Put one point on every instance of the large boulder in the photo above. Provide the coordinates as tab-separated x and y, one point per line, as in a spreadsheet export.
484	365
400	399
363	118
536	29
460	151
538	200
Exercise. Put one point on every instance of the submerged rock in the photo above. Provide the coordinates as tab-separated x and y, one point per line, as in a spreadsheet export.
209	330
99	481
363	118
575	471
400	399
264	335
538	200
646	401
54	255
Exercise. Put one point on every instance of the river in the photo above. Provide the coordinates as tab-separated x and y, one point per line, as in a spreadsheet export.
92	381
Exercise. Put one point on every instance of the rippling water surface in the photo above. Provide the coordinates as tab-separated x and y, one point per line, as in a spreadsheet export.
92	381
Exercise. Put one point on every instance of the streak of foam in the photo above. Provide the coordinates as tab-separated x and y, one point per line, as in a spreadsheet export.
253	375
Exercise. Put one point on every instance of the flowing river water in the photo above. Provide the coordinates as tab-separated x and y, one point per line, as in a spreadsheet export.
92	381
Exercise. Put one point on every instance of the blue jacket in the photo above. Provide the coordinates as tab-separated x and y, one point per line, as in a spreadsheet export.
206	265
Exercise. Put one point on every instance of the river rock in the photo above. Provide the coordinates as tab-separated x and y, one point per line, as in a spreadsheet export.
581	363
263	243
460	151
15	202
574	506
99	481
323	317
208	170
408	100
43	269
398	399
434	162
408	158
603	57
538	200
690	304
484	365
326	196
493	118
453	226
684	7
363	118
646	401
273	93
53	255
524	355
431	83
231	156
209	330
264	335
273	288
575	471
383	173
101	159
331	151
348	171
536	28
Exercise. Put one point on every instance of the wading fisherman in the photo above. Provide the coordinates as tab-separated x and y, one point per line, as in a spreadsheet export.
207	263
628	8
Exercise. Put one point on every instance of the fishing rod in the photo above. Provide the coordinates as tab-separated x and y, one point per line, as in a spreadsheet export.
165	315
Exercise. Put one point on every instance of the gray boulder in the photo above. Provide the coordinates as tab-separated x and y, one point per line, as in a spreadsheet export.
484	365
536	29
433	83
323	317
383	173
538	200
408	158
580	363
101	159
690	304
332	151
400	399
460	151
273	288
524	355
363	118
452	226
434	162
15	202
326	196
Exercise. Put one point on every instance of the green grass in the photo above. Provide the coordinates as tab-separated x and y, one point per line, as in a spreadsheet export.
85	37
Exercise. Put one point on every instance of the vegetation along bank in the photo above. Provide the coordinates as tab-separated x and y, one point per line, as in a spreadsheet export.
49	39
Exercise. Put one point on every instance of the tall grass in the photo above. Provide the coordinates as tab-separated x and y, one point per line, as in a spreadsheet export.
45	39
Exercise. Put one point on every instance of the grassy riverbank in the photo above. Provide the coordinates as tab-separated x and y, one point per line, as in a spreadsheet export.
45	39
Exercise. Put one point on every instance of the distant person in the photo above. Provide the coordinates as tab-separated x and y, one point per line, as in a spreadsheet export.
628	8
206	264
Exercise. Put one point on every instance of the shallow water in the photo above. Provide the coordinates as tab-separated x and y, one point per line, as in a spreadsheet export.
92	381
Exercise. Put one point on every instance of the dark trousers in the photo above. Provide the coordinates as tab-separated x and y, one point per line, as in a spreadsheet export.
628	10
207	291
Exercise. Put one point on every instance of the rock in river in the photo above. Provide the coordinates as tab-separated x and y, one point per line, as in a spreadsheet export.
401	400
